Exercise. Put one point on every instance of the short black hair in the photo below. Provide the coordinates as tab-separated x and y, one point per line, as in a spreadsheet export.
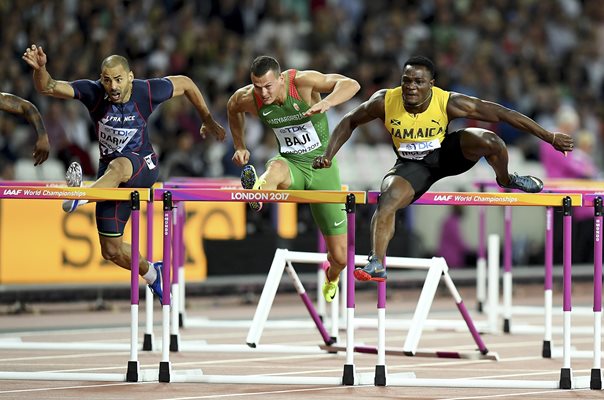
261	65
424	62
115	60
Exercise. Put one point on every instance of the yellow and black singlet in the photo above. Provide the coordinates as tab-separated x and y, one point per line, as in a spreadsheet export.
416	135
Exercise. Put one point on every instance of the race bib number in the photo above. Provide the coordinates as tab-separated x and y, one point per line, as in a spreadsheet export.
417	150
297	139
114	139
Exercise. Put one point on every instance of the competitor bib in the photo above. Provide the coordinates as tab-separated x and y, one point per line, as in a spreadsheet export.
417	150
297	139
114	139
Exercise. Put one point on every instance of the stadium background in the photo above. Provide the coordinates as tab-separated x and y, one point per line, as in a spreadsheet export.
538	57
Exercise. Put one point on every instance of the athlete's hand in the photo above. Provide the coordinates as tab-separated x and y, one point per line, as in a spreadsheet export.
241	157
35	57
41	150
214	128
317	108
562	142
321	162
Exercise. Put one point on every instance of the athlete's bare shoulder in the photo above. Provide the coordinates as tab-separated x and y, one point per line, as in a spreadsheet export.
243	100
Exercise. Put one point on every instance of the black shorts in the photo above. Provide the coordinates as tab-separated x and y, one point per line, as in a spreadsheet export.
112	216
443	162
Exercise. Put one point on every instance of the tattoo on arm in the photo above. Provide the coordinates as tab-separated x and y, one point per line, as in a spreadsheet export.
50	85
11	104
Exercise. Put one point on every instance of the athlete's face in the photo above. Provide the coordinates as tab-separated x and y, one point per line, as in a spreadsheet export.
416	83
117	82
268	86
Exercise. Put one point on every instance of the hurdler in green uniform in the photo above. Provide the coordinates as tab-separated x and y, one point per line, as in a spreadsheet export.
290	104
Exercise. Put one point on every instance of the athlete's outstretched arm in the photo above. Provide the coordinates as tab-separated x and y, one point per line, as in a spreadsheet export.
239	103
365	112
462	106
184	85
43	82
16	105
339	87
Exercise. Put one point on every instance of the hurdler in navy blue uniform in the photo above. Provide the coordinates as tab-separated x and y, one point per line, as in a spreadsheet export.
120	106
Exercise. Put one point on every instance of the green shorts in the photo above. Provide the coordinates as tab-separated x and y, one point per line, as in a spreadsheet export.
330	218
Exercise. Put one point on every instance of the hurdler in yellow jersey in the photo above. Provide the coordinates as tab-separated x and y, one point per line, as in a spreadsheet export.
416	116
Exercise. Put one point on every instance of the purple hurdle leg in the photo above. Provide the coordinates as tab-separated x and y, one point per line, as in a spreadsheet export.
566	371
133	366
176	243
548	284
380	367
164	365
349	372
507	270
182	217
596	372
481	260
148	338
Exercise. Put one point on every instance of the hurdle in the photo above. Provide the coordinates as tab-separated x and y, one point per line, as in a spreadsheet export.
178	284
566	380
134	196
435	267
349	376
548	351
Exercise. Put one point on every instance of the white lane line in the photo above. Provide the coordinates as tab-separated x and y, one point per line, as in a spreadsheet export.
67	387
279	392
523	394
54	357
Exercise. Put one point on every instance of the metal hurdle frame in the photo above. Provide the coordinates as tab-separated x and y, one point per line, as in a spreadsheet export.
315	196
566	380
548	351
133	372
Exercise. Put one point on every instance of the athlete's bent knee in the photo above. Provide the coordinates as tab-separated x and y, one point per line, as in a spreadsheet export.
491	143
110	251
337	256
121	168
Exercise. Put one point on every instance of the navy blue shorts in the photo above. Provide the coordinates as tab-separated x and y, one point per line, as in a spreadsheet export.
112	216
446	161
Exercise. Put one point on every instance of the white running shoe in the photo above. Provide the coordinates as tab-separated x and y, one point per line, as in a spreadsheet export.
73	177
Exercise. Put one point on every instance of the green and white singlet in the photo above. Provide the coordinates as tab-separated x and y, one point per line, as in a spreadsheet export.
302	138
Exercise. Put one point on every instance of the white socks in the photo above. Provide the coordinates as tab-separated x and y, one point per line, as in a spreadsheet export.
151	275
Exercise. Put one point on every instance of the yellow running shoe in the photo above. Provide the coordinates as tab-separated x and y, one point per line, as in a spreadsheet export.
330	289
249	180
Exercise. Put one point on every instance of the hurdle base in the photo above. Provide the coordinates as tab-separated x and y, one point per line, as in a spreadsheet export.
348	375
487	355
181	320
566	378
380	375
148	342
132	372
174	342
546	350
595	382
164	371
506	326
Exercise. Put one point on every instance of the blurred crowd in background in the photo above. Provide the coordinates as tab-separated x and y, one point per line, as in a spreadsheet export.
542	58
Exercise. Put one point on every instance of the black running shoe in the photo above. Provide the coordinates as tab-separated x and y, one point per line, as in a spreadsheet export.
526	183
